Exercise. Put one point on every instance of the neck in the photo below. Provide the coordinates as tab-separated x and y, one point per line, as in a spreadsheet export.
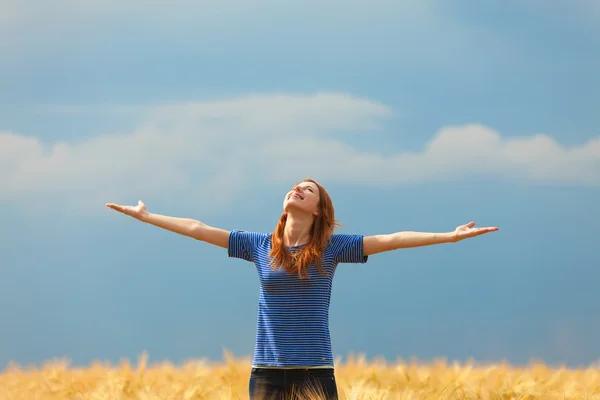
297	230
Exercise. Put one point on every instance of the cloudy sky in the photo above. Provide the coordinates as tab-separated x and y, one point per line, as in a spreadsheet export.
416	115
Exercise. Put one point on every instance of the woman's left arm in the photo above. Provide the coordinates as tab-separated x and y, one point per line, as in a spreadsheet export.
403	240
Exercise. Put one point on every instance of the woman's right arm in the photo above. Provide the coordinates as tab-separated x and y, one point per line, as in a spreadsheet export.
191	228
184	226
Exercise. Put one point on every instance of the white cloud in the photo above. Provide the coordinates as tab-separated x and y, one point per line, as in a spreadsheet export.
454	153
213	150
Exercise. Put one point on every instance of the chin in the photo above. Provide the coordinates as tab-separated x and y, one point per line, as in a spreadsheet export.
291	207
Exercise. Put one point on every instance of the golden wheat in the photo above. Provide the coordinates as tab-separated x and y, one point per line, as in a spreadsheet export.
357	379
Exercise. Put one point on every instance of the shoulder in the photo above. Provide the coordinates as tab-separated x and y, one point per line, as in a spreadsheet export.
250	233
252	236
347	248
344	237
340	241
245	244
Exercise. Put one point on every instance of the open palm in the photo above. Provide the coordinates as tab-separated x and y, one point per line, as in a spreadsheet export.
468	231
138	212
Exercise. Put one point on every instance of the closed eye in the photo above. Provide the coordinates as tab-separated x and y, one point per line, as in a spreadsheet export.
304	188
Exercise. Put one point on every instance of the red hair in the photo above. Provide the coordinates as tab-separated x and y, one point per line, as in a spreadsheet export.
312	253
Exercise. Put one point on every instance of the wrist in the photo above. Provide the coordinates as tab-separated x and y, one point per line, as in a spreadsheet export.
146	218
448	237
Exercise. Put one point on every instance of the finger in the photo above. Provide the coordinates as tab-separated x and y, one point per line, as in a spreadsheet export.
470	224
141	203
486	230
116	207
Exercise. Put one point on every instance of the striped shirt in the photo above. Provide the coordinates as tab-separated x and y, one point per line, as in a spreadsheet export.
293	314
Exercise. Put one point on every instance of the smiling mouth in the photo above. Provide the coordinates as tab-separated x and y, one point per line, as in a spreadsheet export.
298	196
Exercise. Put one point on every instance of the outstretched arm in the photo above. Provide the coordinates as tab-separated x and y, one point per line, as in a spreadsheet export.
183	226
403	240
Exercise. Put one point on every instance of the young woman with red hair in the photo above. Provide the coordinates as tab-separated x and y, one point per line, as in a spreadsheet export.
296	264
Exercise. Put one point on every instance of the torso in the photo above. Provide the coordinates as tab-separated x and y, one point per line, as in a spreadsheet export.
293	313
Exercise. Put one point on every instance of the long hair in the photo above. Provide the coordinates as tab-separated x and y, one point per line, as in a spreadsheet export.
312	253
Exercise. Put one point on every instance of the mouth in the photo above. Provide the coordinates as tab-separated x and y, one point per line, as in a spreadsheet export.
297	196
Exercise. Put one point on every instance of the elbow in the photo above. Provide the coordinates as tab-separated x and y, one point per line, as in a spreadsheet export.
197	231
378	244
394	241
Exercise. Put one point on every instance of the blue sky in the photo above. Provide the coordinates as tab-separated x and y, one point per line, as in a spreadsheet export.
416	115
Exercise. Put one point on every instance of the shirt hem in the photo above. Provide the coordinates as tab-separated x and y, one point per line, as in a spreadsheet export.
293	366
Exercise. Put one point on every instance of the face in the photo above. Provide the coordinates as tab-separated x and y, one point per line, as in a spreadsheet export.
303	197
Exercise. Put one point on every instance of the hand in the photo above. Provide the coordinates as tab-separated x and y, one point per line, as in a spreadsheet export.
467	231
138	212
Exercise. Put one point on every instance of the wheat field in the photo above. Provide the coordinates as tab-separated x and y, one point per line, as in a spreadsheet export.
357	379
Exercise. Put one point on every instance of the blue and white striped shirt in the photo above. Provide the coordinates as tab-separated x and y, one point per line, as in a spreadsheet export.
293	313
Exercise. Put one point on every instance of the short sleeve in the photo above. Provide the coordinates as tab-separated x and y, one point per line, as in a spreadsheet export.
243	244
348	248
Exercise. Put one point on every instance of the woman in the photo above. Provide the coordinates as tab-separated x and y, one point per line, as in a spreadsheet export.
296	264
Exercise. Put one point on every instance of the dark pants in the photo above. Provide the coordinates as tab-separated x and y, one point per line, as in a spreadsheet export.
279	384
